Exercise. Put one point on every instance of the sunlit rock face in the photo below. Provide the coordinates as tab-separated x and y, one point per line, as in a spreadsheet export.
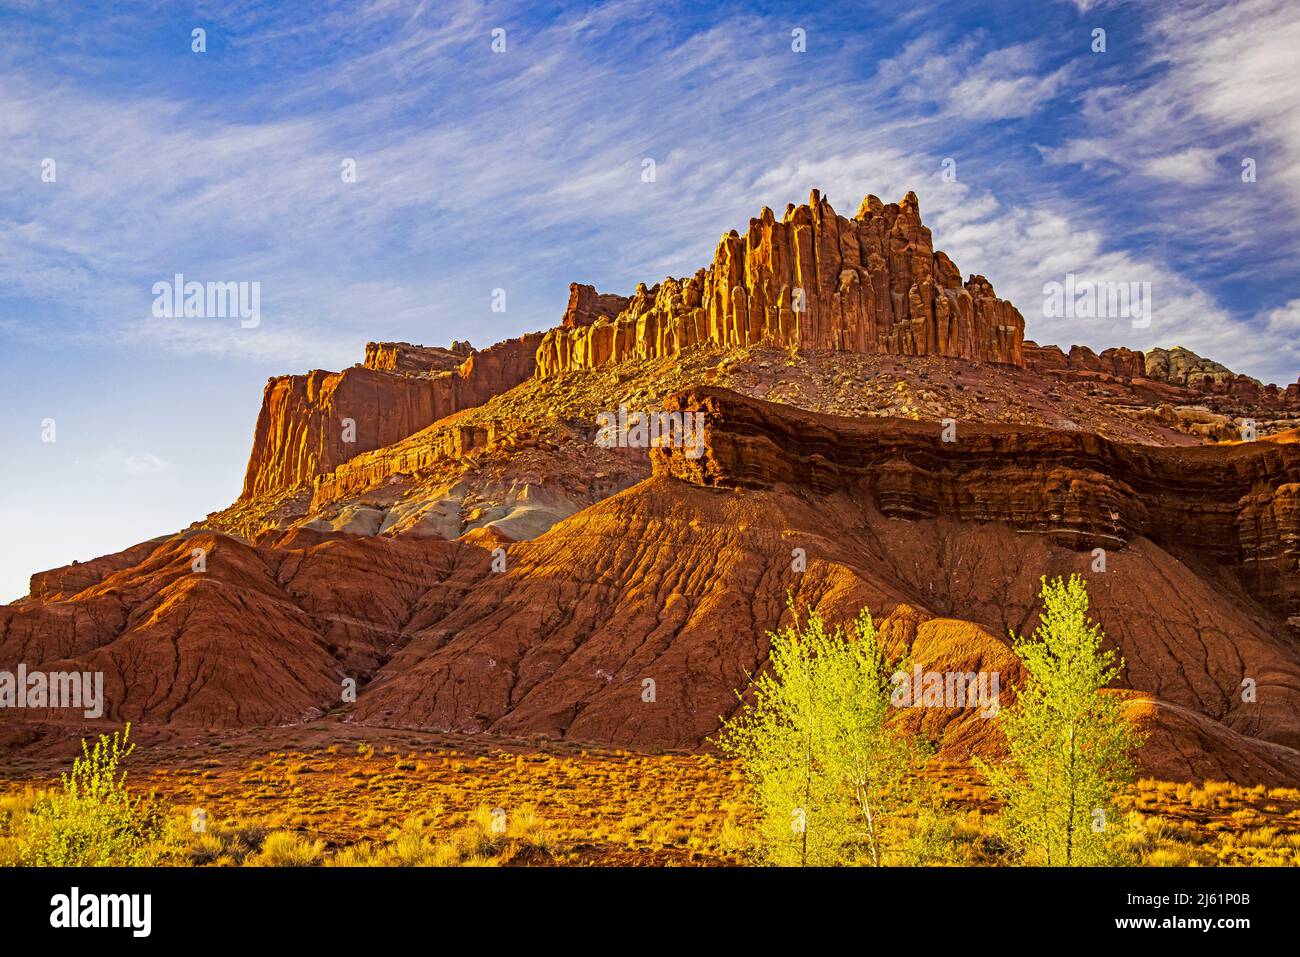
813	280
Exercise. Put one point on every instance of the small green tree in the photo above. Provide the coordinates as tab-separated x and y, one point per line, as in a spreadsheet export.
93	821
824	768
1070	744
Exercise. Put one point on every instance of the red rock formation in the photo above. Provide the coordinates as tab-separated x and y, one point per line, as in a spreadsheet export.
300	432
679	578
586	306
264	635
1184	368
1120	362
1047	358
813	280
1238	504
302	429
415	360
59	583
899	522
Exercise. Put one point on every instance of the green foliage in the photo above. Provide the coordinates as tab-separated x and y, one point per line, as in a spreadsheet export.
93	820
827	772
1069	743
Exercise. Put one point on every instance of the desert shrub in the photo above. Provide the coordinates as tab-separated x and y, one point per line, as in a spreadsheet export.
224	846
92	820
493	837
206	849
14	809
359	855
486	839
412	849
1172	856
927	838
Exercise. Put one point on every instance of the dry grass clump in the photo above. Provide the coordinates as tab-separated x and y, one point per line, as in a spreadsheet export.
489	838
286	849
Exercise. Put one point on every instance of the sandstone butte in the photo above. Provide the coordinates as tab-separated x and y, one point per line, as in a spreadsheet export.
814	280
677	568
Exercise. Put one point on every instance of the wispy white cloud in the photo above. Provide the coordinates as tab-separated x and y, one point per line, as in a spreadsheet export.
1221	92
1193	165
523	169
1284	320
971	79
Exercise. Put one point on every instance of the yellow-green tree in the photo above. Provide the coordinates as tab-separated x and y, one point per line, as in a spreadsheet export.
1070	744
826	771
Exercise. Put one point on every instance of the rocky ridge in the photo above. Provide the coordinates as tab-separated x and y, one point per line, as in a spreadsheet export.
811	280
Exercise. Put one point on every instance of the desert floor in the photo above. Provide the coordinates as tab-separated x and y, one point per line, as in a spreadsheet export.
340	793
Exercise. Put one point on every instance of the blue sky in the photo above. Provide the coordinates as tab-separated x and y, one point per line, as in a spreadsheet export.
521	170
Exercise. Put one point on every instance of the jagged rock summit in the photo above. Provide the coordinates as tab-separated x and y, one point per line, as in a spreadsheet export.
814	279
811	280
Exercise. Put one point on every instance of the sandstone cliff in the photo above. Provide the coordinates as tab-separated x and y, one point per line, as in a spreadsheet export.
1239	505
1179	366
615	574
1182	367
415	360
310	424
586	306
678	577
812	280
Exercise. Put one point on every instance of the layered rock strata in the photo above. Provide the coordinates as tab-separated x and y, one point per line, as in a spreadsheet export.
310	424
1237	504
1121	362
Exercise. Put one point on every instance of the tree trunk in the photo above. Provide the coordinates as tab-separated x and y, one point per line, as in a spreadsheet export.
1069	821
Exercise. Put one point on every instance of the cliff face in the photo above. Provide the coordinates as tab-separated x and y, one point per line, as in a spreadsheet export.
1179	366
813	280
693	564
1239	505
935	537
303	429
1182	367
